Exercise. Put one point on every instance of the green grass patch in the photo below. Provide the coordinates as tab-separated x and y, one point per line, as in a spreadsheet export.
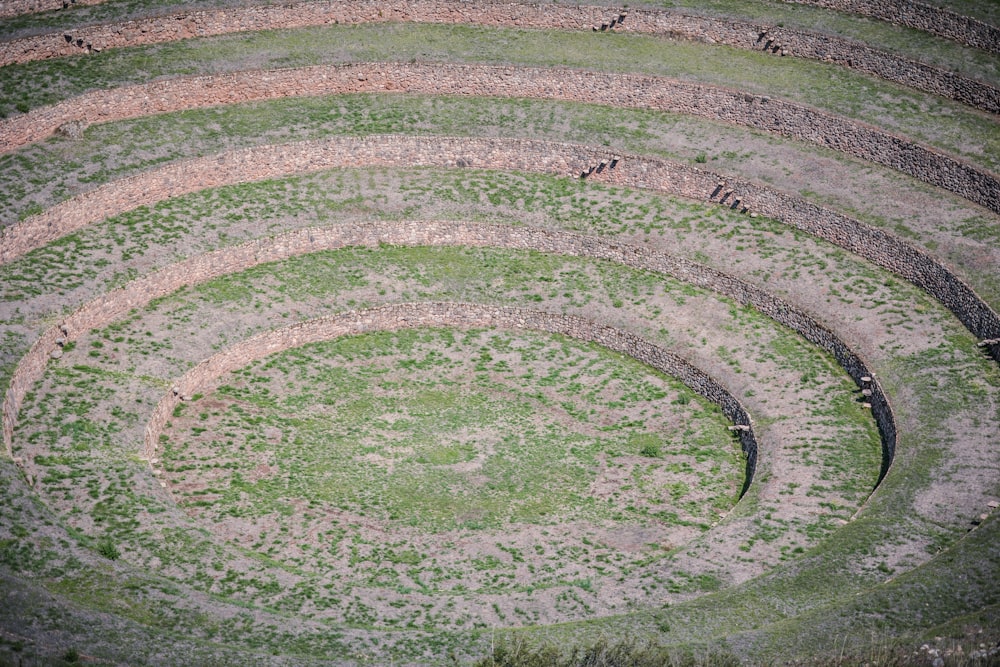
834	89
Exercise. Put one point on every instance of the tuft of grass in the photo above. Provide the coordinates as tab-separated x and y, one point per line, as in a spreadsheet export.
106	547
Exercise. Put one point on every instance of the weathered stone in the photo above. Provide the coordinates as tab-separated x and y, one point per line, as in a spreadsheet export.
741	35
72	129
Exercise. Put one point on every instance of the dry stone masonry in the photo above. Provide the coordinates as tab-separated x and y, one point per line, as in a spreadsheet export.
917	15
779	41
15	7
136	294
631	171
459	315
878	246
920	16
787	119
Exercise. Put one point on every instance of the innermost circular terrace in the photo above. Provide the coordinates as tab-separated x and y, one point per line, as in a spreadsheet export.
204	377
460	464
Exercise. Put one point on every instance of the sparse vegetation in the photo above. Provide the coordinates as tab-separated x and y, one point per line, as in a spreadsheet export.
810	82
442	496
628	653
106	547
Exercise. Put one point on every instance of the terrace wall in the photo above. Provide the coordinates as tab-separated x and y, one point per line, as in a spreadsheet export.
202	377
917	15
138	293
618	90
739	34
876	245
17	7
920	16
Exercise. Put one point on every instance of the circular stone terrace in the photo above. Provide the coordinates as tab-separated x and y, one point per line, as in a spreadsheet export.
308	396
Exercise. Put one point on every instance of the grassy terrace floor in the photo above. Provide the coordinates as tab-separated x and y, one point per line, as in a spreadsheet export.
397	542
228	561
961	233
121	366
424	192
73	270
910	43
839	91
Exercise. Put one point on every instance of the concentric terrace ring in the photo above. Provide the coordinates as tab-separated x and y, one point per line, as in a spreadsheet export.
263	254
738	34
622	90
876	245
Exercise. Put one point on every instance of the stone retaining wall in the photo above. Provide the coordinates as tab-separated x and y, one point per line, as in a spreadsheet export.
919	16
393	317
739	34
846	53
619	90
17	7
276	161
875	245
136	294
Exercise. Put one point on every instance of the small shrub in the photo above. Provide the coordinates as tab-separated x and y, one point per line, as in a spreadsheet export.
650	449
107	548
701	158
649	445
